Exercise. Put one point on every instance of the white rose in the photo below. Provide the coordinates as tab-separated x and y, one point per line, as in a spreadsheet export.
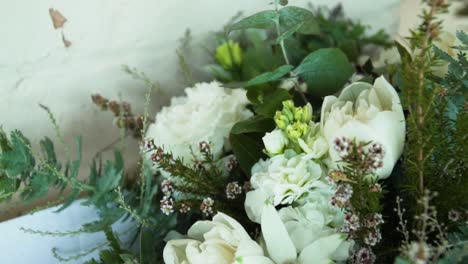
206	113
275	142
221	241
314	145
366	112
281	248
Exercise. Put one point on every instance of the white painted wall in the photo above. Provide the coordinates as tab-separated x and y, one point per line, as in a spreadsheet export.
36	67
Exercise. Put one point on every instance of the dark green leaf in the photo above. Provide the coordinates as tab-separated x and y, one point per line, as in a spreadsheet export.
247	151
403	51
272	102
254	124
263	20
47	147
325	71
4	143
291	16
270	76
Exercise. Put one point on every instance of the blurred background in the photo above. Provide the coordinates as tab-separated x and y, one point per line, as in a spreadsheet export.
62	65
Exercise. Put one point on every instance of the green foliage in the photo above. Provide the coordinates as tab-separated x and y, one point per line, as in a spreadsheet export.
269	76
325	71
248	150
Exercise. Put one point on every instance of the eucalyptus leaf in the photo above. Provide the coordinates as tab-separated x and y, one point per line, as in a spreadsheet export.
270	76
262	20
291	16
325	71
254	124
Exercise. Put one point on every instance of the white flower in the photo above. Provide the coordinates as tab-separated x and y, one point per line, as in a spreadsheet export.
275	142
282	249
367	113
315	145
207	113
286	177
314	218
221	241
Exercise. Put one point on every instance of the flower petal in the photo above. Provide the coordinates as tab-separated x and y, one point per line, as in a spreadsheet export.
254	202
321	250
279	245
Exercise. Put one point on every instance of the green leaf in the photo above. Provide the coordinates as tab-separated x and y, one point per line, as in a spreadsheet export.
325	71
463	37
291	16
405	54
257	123
272	102
8	187
48	151
247	150
19	160
270	76
4	143
288	33
262	20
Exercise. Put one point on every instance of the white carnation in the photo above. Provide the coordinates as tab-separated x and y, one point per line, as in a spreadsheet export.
206	113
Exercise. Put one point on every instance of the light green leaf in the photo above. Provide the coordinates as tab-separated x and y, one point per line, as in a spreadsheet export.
263	20
325	71
270	76
291	16
257	123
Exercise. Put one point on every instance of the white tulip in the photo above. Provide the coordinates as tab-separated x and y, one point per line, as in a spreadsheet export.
275	142
221	241
366	113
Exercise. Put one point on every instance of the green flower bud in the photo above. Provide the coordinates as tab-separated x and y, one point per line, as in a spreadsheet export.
288	110
297	130
281	120
229	54
303	114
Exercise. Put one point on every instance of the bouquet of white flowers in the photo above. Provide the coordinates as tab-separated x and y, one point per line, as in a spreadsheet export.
300	150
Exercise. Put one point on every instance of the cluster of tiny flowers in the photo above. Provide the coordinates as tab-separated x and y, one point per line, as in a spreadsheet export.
373	220
364	256
343	193
454	215
207	206
351	223
373	237
148	144
419	252
167	205
343	145
167	187
183	208
233	190
204	147
376	187
231	163
375	156
157	155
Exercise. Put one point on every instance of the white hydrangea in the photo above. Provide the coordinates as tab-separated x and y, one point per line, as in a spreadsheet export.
286	177
206	113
